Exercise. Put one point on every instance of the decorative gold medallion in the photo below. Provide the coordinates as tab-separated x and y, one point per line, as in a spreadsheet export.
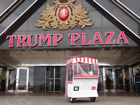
64	15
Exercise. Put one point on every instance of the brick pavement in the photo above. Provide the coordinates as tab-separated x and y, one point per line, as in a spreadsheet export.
60	100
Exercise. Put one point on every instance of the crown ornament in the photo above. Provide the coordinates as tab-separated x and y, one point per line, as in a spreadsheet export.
64	15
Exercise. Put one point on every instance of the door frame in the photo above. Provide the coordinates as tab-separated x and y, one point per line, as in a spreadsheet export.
114	78
17	79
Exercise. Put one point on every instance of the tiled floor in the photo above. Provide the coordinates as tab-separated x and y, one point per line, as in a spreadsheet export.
62	94
105	98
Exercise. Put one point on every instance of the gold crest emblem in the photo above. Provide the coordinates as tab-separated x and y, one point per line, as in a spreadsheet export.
64	15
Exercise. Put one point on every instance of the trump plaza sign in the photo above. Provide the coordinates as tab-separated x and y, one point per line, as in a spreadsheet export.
63	15
54	39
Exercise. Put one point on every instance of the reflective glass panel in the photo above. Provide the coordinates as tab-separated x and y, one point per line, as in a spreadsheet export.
100	80
12	80
70	72
109	79
39	79
4	79
50	85
94	69
57	85
127	82
53	81
63	78
57	72
31	77
119	79
0	76
85	69
50	72
22	79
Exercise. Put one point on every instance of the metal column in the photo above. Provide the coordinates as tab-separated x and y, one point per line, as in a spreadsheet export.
7	80
104	79
130	78
123	73
54	80
114	81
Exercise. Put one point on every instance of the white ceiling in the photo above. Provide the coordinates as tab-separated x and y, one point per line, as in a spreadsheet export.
113	56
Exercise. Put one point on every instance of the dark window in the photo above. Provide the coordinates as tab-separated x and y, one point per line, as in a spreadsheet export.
70	72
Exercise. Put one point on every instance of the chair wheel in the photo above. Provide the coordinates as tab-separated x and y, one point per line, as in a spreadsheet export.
93	99
71	100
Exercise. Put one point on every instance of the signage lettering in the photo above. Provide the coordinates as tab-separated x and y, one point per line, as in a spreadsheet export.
72	38
97	37
109	38
122	37
11	39
21	41
45	39
29	40
57	40
84	40
38	40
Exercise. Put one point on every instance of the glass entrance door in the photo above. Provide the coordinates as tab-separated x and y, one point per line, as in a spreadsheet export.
119	80
53	80
109	79
22	78
17	80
